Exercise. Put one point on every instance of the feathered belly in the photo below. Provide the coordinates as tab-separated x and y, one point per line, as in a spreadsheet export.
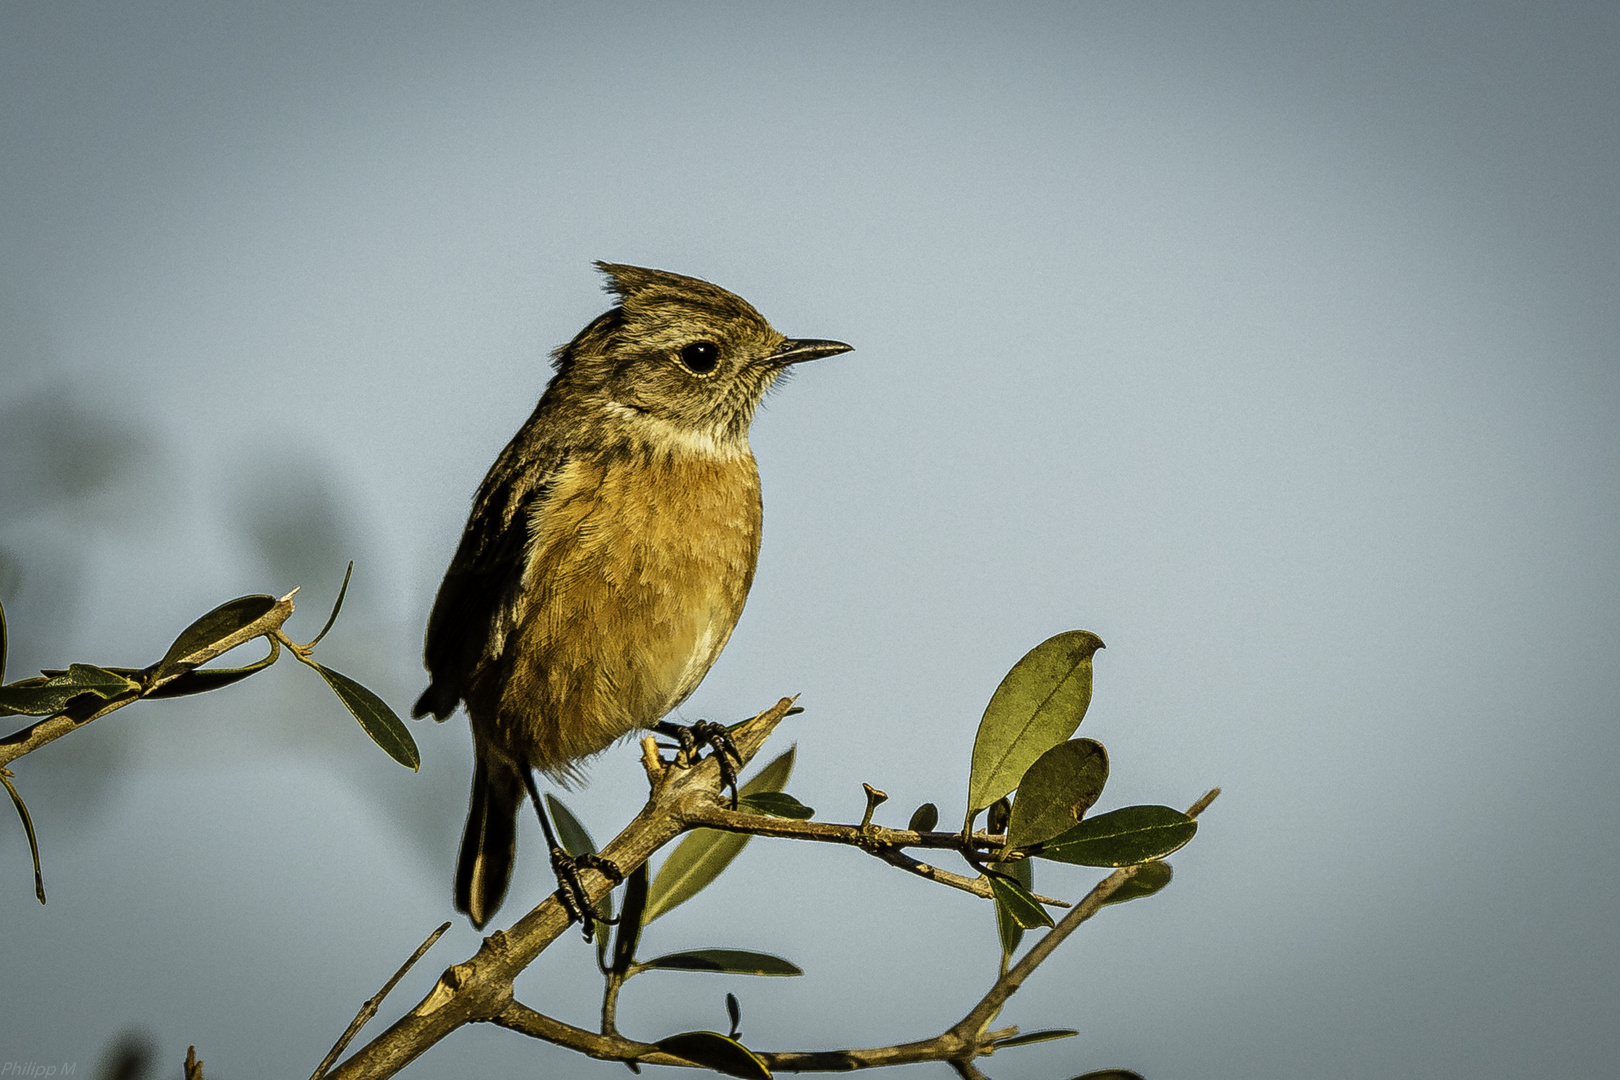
637	572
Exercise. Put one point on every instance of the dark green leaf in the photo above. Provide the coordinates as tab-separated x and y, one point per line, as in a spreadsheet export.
337	606
1125	837
1057	791
1038	705
28	827
49	696
575	840
216	626
1010	930
705	853
924	818
995	822
378	720
631	920
1109	1074
733	961
734	1013
1035	1037
715	1051
202	680
1016	901
1150	879
2	643
776	804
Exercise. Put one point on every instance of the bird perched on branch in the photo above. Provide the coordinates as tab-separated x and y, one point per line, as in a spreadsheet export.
607	556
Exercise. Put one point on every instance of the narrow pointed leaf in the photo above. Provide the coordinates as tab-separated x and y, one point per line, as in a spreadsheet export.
1109	1074
776	804
1010	930
50	695
705	853
1057	791
1150	879
924	818
202	680
196	641
1124	837
731	961
1038	705
631	920
734	1014
714	1051
577	841
1016	901
379	721
1046	1035
337	606
2	643
28	827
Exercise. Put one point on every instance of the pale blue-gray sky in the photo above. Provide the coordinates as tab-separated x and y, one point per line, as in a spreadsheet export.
1275	343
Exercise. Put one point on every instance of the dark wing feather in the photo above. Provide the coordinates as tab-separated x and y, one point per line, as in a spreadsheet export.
483	577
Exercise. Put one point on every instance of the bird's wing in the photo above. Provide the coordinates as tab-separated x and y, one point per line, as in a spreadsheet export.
485	576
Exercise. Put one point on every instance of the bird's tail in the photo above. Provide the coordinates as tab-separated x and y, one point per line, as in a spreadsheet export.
490	842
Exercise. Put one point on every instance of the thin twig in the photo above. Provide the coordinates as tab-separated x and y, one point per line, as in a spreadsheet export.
369	1009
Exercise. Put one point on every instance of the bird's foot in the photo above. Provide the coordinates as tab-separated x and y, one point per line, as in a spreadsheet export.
707	733
571	890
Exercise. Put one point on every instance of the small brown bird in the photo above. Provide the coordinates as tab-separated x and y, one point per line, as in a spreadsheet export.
608	554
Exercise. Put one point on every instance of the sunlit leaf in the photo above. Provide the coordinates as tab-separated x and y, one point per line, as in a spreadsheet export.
732	961
1024	1039
1008	928
379	721
51	695
714	1051
1057	791
1152	877
217	626
776	804
705	853
631	920
924	818
1124	837
1014	899
1038	705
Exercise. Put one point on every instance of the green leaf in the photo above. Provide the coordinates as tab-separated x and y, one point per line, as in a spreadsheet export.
202	680
51	695
714	1051
924	818
776	804
705	853
28	827
216	626
734	1014
1008	928
1109	1074
337	606
732	961
1125	837
1014	899
1046	1035
576	841
2	643
378	720
631	920
1057	791
1038	705
1150	879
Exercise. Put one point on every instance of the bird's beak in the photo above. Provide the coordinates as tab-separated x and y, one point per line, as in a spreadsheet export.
795	352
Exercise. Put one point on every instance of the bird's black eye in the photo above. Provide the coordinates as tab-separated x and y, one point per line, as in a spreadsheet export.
701	357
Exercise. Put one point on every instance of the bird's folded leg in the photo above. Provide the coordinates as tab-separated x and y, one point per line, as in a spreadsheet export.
706	732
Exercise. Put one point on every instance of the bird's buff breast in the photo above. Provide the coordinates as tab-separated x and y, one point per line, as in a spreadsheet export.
637	569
